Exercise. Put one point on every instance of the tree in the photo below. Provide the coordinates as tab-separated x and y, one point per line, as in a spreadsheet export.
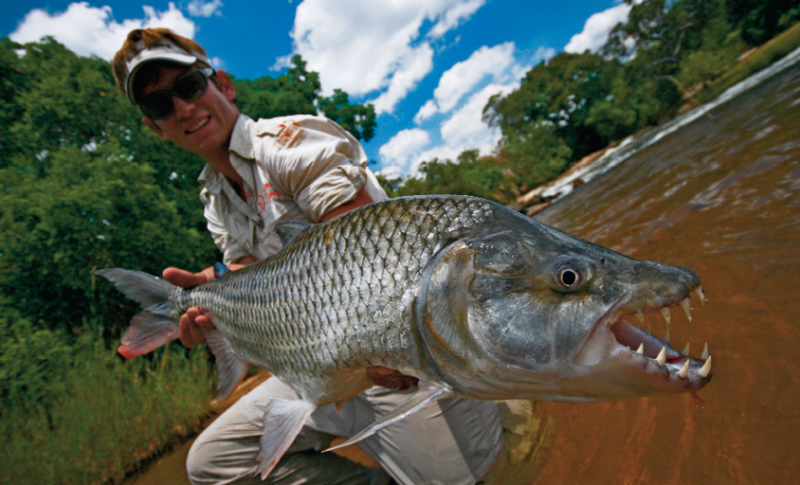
659	33
298	92
556	96
761	20
469	175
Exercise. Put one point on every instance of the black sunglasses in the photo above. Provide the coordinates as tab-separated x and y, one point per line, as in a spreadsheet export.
192	85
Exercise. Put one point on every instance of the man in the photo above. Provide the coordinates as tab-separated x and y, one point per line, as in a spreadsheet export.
259	173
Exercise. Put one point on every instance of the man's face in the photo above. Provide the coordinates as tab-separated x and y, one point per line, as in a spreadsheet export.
203	125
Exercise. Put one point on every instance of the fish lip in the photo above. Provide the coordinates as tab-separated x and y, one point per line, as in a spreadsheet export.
612	326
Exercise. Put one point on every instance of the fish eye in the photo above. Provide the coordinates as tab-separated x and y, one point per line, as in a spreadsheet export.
569	277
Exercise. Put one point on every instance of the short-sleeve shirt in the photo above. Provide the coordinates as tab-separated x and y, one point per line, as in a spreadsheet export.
294	168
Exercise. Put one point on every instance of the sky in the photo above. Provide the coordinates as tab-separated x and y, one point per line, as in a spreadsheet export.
428	66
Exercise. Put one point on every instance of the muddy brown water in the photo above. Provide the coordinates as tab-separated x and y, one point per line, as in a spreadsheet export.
719	196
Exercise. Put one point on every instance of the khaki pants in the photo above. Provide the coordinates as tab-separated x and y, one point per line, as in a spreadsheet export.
451	442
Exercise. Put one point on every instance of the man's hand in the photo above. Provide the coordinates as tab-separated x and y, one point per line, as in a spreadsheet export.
385	377
194	322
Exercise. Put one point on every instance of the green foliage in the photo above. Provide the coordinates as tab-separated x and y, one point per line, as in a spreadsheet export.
357	119
85	185
78	413
761	20
556	97
297	92
470	175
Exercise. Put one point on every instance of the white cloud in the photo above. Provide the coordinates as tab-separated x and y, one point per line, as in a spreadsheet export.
543	53
596	29
89	30
199	8
397	152
217	62
411	70
462	78
451	18
364	46
464	130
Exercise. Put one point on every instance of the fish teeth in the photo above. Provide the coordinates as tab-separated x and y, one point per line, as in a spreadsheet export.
704	371
662	357
705	352
640	350
665	338
701	295
640	316
667	316
686	304
686	349
684	370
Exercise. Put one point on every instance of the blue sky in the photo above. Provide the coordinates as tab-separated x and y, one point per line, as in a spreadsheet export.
428	66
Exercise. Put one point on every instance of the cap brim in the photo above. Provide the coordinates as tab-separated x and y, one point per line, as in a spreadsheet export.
145	57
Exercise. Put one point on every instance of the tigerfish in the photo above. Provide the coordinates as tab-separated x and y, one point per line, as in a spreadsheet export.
472	298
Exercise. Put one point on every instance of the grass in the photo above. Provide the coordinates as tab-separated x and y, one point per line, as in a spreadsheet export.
102	416
767	54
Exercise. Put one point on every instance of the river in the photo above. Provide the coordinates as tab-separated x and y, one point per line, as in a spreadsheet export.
720	195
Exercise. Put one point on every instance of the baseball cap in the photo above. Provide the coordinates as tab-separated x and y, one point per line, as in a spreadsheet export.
147	45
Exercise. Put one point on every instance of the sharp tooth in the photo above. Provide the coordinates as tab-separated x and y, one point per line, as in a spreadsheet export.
686	349
640	350
701	295
662	357
684	370
666	334
706	368
705	352
640	316
686	303
666	314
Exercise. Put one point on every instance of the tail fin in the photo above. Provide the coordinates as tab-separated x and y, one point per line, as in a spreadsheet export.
153	327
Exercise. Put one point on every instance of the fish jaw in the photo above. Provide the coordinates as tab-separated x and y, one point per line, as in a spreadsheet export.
620	360
497	324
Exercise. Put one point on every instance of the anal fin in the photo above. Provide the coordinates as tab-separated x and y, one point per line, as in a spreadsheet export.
230	369
283	420
424	396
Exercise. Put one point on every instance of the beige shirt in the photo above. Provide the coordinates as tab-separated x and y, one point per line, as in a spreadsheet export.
295	169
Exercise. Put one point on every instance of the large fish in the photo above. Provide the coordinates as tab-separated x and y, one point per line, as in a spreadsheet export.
474	299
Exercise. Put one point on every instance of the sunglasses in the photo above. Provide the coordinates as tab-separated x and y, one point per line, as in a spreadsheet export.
192	85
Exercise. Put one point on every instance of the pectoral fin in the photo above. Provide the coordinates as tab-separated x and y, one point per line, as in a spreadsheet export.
426	395
283	420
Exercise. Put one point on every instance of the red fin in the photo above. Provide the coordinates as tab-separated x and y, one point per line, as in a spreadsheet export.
147	333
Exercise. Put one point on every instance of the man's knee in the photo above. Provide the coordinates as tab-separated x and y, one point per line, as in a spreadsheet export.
199	462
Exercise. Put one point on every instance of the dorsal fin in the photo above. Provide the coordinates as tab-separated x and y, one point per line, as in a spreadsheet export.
290	230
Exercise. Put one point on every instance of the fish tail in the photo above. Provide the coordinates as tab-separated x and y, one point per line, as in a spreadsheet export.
153	327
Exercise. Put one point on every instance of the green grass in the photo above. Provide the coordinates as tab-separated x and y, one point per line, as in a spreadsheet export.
83	415
767	54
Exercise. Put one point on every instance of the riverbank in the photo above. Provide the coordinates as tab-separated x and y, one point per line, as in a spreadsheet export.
737	79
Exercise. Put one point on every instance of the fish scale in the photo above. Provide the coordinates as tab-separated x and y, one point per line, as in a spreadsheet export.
470	297
324	325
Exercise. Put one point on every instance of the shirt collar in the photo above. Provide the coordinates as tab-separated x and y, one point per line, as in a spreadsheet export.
242	156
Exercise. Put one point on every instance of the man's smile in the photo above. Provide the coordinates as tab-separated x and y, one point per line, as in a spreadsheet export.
198	125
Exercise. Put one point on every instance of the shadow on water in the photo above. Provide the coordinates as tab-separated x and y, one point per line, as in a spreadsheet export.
719	196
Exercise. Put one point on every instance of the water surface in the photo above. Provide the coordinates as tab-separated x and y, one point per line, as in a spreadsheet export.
719	196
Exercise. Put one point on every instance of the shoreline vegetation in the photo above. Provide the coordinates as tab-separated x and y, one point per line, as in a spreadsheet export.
86	187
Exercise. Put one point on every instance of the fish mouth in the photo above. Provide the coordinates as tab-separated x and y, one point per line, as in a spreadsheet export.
614	338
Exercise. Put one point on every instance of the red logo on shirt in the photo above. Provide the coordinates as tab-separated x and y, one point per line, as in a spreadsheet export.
266	194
